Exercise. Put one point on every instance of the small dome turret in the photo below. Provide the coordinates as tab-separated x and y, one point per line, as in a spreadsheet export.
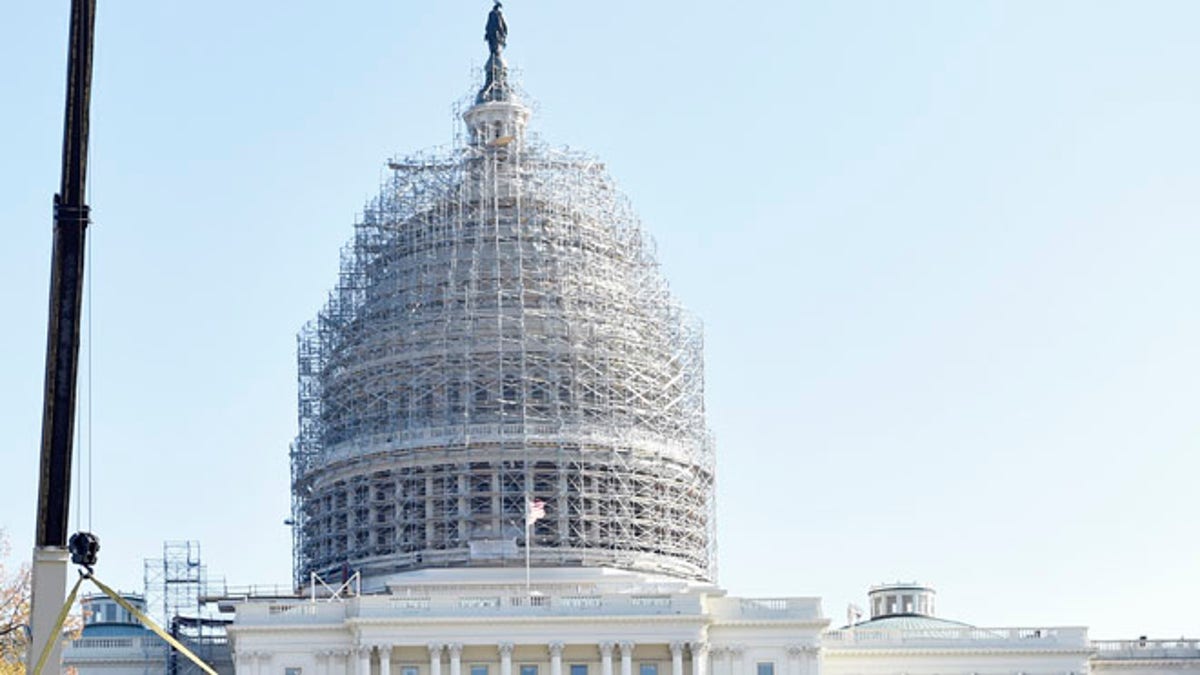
901	599
101	609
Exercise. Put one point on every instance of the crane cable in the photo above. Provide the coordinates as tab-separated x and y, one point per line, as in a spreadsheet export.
83	413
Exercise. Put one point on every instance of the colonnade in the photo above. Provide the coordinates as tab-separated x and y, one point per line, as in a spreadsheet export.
359	661
614	655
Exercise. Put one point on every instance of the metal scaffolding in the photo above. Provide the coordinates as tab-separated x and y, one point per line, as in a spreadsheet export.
500	329
176	586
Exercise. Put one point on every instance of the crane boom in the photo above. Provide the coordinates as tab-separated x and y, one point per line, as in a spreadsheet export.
62	341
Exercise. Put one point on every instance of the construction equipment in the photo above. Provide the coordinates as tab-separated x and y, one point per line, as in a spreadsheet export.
50	554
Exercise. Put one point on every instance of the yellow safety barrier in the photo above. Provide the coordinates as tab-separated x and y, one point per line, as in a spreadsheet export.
146	621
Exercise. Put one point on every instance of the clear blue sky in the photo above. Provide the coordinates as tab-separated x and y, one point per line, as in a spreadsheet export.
946	254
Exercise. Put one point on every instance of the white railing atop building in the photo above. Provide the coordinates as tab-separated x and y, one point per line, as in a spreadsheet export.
789	609
513	604
1147	649
108	648
964	636
105	643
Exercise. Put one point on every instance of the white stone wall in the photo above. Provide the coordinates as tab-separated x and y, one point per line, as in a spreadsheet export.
612	627
1146	657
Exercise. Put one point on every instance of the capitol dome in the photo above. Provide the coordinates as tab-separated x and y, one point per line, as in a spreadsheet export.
500	342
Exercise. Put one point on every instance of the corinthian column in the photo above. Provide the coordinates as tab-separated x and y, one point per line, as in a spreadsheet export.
626	658
676	658
506	649
435	658
455	658
364	661
606	658
699	658
385	660
556	649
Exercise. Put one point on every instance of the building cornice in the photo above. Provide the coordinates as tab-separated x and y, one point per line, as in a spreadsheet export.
772	623
527	620
418	621
283	628
1138	664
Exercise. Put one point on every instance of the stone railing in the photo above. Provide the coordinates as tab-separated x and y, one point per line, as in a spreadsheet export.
1146	649
468	606
114	642
956	636
291	612
760	609
110	648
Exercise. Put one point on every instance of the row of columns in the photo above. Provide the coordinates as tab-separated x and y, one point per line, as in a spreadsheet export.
699	652
254	663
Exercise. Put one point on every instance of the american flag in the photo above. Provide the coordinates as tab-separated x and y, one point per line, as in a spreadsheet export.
535	511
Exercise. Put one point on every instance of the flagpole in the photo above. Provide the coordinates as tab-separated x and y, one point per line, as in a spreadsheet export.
528	518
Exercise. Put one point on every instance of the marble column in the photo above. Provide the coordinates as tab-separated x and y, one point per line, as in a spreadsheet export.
676	658
556	650
435	658
626	658
455	650
506	650
364	661
699	658
606	658
322	662
385	659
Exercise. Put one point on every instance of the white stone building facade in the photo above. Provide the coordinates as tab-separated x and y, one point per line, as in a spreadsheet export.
606	622
570	622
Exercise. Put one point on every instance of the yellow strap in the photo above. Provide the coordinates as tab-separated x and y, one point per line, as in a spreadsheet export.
55	635
149	623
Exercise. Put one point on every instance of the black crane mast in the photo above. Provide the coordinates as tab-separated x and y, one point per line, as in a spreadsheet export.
62	345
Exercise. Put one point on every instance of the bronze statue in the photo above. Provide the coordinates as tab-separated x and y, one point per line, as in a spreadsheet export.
497	31
495	88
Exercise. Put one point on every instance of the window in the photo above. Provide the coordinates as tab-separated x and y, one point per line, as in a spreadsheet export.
410	670
479	670
767	668
579	669
529	670
291	671
648	669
